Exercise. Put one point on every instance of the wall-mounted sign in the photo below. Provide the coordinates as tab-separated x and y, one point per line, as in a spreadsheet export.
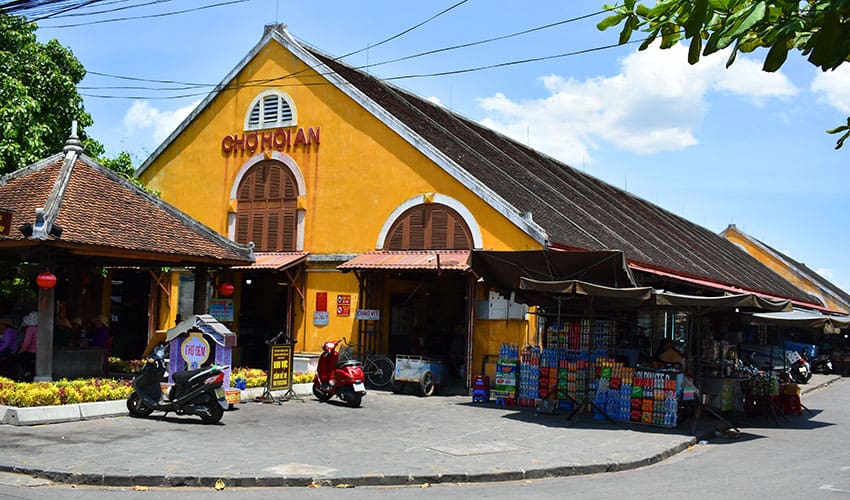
321	301
367	314
195	350
343	305
280	139
222	309
321	318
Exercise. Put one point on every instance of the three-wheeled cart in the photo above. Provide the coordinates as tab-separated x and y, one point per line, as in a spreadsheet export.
421	370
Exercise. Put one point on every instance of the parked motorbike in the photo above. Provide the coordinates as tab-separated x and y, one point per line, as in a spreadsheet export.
195	392
799	369
343	379
822	363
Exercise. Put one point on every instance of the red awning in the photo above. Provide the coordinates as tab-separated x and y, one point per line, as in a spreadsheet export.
274	261
414	260
724	287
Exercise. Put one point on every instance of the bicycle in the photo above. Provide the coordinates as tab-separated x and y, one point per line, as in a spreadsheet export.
378	368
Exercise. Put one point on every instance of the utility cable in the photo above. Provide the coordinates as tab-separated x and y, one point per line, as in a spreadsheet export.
256	83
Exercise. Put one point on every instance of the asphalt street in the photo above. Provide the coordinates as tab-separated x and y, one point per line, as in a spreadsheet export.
390	440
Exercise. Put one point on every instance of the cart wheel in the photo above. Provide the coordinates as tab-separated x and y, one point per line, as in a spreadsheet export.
426	383
398	387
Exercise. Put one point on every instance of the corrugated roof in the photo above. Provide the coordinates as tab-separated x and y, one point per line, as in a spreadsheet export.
275	261
413	260
575	209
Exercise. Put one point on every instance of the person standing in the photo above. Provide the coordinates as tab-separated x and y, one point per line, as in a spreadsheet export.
28	347
8	346
100	336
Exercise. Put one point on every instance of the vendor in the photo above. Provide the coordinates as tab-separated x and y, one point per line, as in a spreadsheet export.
669	354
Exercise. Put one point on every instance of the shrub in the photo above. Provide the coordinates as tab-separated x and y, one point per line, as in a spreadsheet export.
26	394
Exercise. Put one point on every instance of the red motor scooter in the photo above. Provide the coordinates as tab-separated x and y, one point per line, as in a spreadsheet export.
341	378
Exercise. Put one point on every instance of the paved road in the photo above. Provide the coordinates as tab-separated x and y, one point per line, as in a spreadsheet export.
802	458
391	440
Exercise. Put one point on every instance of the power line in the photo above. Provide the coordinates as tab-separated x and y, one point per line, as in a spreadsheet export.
408	30
255	83
147	16
403	77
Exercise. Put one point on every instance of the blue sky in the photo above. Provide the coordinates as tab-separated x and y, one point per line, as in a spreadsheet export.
717	146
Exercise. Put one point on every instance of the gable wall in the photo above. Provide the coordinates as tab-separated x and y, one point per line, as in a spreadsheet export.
355	177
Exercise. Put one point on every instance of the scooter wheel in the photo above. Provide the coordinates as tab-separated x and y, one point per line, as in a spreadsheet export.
214	412
353	398
137	406
321	396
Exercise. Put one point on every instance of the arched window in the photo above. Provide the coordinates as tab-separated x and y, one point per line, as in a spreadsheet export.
266	204
429	227
270	109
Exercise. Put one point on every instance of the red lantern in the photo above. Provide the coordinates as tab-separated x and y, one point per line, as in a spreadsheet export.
46	280
225	289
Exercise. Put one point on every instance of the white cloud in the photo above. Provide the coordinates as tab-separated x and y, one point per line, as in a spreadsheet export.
142	116
434	99
654	104
834	87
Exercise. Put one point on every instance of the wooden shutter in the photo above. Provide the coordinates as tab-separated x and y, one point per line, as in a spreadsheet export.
429	227
266	208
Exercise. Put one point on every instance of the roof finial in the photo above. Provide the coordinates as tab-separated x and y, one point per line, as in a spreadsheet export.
73	143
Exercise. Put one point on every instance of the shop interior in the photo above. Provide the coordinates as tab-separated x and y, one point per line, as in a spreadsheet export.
428	318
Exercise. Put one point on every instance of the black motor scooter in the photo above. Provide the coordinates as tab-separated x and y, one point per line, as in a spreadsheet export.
195	392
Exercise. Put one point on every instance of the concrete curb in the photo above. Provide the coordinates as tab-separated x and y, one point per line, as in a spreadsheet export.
39	415
367	480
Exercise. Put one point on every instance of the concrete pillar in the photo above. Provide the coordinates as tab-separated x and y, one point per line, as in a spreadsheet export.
44	340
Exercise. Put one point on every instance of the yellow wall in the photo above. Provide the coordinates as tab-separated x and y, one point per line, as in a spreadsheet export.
355	177
780	267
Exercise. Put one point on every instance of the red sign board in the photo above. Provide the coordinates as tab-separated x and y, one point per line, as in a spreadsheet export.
343	305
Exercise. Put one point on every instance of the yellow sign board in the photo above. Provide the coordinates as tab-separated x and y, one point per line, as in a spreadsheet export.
280	367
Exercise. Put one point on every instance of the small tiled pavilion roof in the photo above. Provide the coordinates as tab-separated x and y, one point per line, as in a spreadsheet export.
103	217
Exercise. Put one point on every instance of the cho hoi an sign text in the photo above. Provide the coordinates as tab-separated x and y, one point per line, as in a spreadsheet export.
280	139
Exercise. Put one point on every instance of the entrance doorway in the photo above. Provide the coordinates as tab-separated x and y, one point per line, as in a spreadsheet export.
428	318
129	313
265	298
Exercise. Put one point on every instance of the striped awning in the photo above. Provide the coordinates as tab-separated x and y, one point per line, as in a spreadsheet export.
411	260
274	261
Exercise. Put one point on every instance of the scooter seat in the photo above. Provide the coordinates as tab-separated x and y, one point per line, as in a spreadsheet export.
350	362
184	376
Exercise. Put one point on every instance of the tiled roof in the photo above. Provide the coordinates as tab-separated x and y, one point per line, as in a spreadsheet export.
428	260
102	214
549	200
575	209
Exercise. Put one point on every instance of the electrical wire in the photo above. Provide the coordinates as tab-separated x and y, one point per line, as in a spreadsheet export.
401	77
256	83
147	16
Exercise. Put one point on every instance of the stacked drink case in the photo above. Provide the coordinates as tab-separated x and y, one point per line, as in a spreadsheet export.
561	373
504	388
529	376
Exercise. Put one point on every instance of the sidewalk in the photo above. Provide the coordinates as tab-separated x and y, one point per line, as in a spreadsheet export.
390	440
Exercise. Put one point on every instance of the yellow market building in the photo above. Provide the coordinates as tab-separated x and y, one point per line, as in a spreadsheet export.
364	203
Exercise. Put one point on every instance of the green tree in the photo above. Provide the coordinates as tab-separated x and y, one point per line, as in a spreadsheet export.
39	100
818	29
38	95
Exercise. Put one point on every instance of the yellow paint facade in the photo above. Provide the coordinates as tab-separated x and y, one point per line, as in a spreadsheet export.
776	263
353	173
